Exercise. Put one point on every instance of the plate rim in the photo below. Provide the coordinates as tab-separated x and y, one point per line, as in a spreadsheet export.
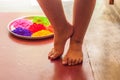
27	37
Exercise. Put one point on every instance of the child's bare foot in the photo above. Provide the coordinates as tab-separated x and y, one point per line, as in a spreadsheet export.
74	55
60	39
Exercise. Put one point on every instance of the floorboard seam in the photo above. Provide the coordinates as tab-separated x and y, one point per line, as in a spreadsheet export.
90	62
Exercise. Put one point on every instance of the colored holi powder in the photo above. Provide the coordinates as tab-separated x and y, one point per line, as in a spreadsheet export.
50	28
21	31
23	23
36	27
41	20
41	33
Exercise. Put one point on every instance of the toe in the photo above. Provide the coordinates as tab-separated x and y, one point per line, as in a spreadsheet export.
73	62
55	56
51	52
69	61
65	61
49	55
76	62
79	60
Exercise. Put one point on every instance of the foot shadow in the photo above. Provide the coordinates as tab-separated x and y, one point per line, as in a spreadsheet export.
62	72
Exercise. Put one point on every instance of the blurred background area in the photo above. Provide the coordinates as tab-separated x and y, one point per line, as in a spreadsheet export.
33	6
21	5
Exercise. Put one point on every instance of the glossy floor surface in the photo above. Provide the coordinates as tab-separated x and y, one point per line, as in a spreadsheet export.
27	59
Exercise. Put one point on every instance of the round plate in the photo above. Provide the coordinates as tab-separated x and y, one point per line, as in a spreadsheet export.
25	24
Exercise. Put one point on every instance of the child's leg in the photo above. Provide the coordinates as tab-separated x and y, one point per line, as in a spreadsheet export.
54	11
83	10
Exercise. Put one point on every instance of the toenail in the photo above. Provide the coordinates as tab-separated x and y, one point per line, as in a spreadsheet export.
64	62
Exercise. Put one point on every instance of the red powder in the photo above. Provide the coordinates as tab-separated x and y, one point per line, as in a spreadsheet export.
36	27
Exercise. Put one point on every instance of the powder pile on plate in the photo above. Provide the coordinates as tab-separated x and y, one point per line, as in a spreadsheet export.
38	26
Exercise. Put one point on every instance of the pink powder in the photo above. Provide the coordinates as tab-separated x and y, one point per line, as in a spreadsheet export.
23	23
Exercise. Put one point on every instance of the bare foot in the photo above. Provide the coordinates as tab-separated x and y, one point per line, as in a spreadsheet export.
74	55
60	39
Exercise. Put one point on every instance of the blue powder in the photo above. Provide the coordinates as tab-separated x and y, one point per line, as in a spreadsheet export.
21	31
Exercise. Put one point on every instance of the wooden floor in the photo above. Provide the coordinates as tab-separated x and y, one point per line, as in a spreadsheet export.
103	42
27	60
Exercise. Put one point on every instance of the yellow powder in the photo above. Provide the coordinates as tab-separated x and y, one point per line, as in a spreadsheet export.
41	33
